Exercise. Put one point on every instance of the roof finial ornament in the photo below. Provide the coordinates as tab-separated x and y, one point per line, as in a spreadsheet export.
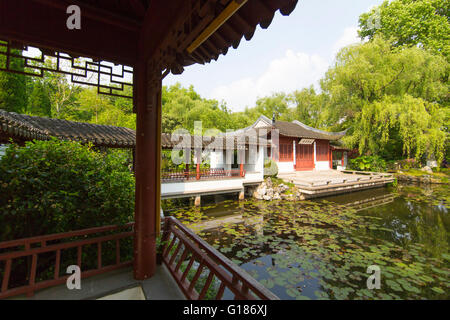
273	118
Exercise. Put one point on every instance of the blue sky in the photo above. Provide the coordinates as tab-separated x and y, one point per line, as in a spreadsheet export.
293	53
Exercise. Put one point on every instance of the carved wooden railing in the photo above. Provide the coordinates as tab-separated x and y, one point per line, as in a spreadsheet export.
177	175
186	256
189	259
33	248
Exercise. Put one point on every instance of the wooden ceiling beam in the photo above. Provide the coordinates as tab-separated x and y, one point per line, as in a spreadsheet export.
138	8
95	13
38	24
157	33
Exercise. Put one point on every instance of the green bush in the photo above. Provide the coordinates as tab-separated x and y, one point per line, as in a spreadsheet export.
54	186
407	164
270	168
368	163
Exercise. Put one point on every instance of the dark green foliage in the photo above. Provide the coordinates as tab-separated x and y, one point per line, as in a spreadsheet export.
368	163
13	93
423	23
407	164
39	103
53	186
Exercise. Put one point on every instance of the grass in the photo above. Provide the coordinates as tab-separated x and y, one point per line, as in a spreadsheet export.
277	181
443	174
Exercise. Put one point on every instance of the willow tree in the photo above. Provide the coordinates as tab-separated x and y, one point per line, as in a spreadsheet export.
391	99
396	126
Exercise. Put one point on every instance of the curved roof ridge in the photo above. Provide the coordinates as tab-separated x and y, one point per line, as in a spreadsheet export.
264	118
340	133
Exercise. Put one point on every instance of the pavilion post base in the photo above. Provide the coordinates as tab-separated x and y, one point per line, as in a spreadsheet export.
198	201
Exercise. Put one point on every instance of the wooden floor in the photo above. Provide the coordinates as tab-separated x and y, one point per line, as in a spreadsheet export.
314	184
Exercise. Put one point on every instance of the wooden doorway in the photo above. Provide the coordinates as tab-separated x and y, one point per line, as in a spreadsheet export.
304	157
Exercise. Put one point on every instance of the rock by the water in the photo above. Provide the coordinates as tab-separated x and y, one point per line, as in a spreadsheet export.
269	183
268	191
257	195
427	169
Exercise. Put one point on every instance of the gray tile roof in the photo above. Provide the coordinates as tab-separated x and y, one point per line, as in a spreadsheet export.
25	127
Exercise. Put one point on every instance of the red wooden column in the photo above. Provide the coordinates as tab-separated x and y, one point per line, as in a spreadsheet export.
198	160
198	171
342	160
330	157
241	161
148	156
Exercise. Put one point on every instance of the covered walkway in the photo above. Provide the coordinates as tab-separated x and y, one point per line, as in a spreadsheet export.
131	44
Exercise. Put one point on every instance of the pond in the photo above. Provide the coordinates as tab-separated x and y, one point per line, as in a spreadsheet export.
322	249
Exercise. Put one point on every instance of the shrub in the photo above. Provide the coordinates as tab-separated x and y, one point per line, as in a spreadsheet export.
368	163
270	168
407	164
54	186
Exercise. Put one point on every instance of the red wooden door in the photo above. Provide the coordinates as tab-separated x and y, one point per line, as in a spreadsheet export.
304	157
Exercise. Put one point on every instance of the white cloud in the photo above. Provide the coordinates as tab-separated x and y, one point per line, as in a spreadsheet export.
288	73
293	71
349	36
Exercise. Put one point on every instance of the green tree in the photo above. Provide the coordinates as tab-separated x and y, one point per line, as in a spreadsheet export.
181	107
367	72
62	95
57	186
114	116
89	104
13	91
277	103
309	107
39	103
413	122
124	104
423	23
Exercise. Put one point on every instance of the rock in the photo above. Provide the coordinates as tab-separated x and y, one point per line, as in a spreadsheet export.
427	169
267	190
262	191
425	179
257	195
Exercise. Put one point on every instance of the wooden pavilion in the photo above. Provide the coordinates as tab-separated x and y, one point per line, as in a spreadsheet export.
151	38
